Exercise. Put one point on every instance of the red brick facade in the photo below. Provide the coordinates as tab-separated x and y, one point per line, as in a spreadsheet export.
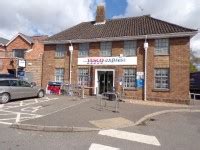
33	55
177	61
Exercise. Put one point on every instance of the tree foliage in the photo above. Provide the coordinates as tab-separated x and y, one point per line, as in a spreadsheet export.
194	59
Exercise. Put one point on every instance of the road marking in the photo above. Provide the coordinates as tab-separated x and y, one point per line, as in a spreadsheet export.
152	140
1	105
101	147
6	123
21	103
36	100
26	103
31	109
18	117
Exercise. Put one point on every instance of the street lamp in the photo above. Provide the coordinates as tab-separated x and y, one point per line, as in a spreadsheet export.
146	45
70	63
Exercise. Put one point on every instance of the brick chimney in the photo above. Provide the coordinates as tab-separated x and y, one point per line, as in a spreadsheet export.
100	16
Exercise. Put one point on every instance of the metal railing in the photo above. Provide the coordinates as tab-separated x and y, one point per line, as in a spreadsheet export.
109	96
71	90
193	97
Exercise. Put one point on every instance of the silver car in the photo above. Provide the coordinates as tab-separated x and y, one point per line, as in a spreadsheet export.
16	89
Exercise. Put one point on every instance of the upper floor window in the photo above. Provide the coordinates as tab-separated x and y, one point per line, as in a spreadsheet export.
130	48
60	51
162	78
19	53
129	79
83	50
106	49
59	74
162	47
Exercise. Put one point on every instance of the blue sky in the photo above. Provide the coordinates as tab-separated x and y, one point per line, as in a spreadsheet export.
50	17
115	7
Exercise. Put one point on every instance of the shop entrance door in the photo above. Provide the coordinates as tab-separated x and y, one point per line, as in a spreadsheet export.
105	80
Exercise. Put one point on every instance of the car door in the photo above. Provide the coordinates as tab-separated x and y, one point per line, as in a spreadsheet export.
27	89
16	90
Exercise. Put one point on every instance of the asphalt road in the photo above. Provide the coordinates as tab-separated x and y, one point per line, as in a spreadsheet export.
175	131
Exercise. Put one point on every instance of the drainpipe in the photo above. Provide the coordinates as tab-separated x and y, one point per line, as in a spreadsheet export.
70	63
146	45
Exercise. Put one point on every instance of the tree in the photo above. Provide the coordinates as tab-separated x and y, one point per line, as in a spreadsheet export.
193	61
193	68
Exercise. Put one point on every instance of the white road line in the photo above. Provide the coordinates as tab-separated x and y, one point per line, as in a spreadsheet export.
26	104
6	123
152	140
12	112
18	117
7	119
101	147
31	109
36	100
2	105
21	103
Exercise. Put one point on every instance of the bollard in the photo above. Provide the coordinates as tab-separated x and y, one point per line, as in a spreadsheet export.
82	93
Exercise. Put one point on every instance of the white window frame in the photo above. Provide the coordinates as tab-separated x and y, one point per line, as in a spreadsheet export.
162	47
83	50
161	78
59	74
130	48
129	80
83	76
19	50
60	51
106	49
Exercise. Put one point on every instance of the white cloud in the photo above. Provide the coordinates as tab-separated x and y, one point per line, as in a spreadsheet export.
42	16
181	12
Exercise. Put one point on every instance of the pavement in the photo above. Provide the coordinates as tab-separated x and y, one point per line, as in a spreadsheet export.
72	114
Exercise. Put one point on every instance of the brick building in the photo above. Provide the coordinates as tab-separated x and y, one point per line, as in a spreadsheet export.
110	53
28	48
3	43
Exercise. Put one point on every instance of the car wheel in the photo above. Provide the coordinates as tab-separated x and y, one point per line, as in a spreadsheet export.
4	98
41	94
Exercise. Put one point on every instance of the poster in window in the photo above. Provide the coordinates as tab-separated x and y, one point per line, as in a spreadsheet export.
140	79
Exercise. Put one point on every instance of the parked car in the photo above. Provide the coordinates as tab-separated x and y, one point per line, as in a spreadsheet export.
15	89
7	76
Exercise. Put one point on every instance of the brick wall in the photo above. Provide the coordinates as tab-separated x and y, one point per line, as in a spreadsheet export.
177	62
33	55
18	43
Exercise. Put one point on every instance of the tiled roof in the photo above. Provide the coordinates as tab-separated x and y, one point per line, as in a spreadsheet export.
3	41
133	26
28	38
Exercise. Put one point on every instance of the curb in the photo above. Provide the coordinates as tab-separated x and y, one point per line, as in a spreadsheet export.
149	116
52	128
87	129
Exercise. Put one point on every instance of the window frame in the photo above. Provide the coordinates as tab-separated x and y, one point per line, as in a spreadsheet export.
129	76
82	77
106	49
161	78
59	75
162	46
19	50
83	50
60	51
130	48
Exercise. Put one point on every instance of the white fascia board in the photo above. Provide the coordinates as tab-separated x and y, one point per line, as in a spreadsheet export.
150	36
